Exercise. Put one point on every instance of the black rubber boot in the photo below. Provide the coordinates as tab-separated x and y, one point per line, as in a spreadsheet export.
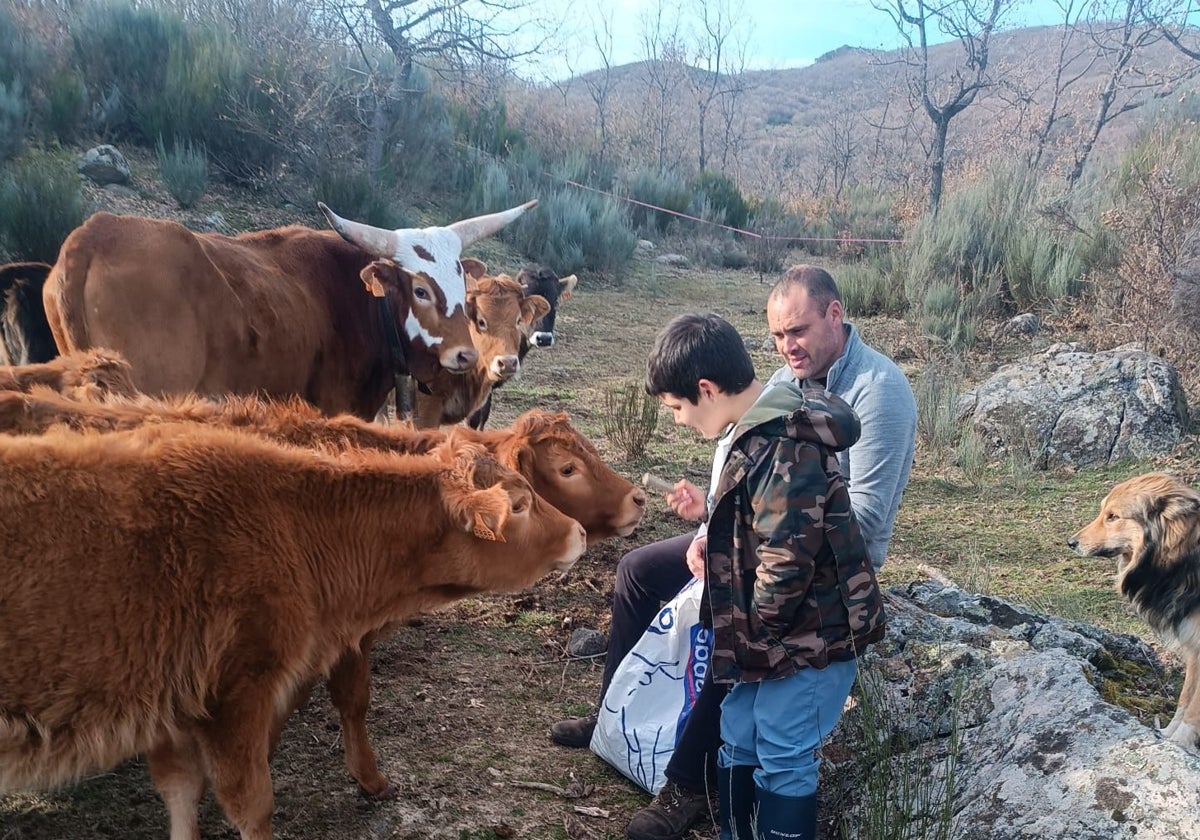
786	817
735	787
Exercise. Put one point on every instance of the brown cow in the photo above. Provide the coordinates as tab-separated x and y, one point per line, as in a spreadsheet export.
194	578
90	375
503	318
561	465
280	312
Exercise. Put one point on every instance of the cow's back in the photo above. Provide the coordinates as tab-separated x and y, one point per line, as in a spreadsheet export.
278	312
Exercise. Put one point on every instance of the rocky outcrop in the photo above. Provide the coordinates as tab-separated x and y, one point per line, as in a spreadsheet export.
1067	406
1040	752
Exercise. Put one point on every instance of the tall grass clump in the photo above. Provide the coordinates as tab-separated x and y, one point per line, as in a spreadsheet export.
62	112
42	203
936	392
869	287
630	417
778	228
14	119
904	786
651	190
991	234
184	170
352	193
571	229
124	52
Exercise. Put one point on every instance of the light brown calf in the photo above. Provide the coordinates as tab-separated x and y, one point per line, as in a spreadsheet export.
560	463
168	590
504	317
87	375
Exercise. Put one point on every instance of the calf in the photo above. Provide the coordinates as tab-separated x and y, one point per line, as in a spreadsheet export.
25	336
86	375
544	283
561	465
503	315
194	578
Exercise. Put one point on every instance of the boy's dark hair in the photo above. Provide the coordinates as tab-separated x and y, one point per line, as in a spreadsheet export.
694	347
816	282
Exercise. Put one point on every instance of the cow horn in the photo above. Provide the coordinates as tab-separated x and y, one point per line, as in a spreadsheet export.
378	242
471	231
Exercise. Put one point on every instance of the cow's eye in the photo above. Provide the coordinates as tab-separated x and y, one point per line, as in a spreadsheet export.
520	505
568	470
421	293
482	324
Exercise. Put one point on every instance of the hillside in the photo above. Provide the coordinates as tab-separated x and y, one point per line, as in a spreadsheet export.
854	103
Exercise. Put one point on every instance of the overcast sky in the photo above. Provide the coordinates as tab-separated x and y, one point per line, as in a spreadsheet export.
779	33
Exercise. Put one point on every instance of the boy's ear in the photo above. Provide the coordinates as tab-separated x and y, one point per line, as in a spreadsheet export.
708	388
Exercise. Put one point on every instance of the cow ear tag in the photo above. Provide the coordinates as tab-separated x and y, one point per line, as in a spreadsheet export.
376	287
483	532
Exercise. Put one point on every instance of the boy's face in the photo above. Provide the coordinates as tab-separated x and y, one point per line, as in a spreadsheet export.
808	340
705	416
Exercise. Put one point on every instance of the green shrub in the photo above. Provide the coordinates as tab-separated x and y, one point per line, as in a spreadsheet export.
778	229
353	194
870	288
948	320
184	170
62	113
936	392
125	48
992	235
721	197
630	418
421	138
19	57
651	189
42	203
14	118
214	91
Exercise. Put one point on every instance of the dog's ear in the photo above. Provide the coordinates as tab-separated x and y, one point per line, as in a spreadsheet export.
1183	503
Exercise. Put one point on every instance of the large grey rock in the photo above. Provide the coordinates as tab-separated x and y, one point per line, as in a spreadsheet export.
1068	406
104	165
1042	755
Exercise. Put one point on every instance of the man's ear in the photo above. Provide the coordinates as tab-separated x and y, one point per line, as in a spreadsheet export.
835	310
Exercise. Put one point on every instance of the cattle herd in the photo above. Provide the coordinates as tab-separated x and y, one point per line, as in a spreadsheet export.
199	517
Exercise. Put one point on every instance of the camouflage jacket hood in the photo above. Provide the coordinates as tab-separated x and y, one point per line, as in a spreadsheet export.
789	584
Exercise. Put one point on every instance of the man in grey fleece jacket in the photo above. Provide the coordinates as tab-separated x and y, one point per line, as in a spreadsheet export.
804	312
805	315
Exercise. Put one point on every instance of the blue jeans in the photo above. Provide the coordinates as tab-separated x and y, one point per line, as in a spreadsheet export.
777	726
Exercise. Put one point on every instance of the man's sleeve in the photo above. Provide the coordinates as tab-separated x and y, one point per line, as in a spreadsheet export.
786	492
888	416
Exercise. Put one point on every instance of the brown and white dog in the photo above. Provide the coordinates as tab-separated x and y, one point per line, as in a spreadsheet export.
1151	525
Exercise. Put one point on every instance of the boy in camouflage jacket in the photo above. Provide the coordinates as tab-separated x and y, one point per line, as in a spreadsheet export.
790	589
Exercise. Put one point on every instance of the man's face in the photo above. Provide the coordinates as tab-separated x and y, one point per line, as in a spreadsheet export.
808	341
702	416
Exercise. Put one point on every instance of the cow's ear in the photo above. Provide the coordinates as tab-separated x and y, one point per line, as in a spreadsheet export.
533	307
489	509
568	286
472	268
372	277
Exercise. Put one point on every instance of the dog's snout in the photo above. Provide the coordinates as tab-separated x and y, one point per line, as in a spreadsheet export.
1072	543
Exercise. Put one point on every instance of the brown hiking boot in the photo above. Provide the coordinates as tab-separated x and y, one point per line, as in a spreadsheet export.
670	815
574	732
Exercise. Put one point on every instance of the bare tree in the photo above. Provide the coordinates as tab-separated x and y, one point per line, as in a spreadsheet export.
944	94
440	34
839	138
717	46
665	67
600	83
1120	32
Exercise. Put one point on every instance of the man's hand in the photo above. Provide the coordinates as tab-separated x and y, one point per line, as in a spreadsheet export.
687	500
695	557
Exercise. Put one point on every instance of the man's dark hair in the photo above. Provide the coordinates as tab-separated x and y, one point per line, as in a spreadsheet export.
816	281
694	347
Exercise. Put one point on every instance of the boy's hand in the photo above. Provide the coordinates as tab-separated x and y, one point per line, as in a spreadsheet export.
687	500
695	557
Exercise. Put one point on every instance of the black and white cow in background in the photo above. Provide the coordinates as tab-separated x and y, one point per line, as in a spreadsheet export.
25	337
